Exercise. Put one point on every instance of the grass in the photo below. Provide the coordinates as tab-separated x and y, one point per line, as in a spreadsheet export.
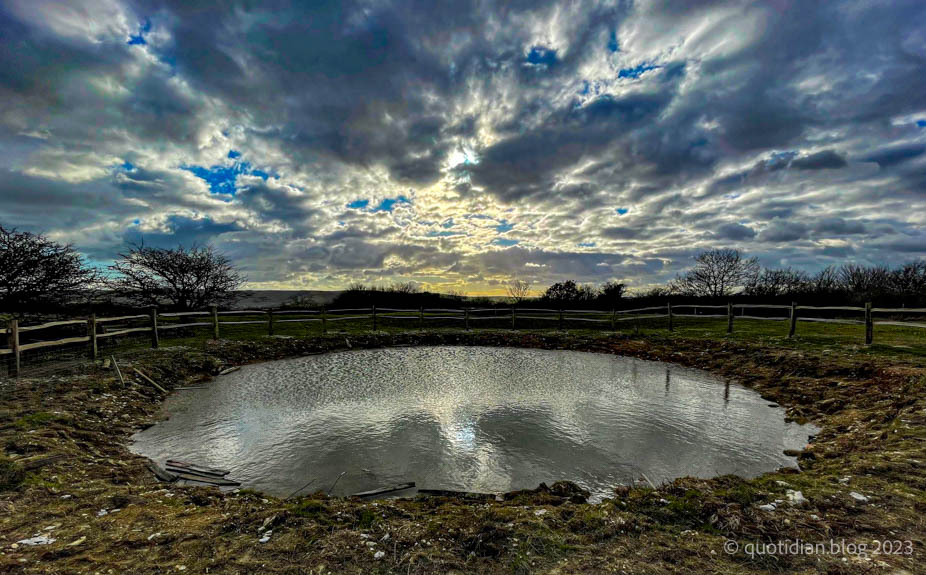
889	341
867	400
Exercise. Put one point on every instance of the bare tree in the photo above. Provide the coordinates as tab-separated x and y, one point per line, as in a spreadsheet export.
718	273
865	282
185	278
909	281
772	282
405	288
456	294
518	290
826	281
37	271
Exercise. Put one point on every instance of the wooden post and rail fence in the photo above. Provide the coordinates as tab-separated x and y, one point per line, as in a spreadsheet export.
95	326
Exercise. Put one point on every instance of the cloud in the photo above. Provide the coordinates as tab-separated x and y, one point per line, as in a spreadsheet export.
734	231
326	142
825	160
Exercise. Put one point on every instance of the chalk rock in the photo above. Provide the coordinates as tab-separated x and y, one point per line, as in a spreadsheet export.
37	540
796	497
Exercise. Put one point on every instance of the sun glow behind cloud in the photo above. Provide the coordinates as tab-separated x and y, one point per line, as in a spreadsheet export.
461	147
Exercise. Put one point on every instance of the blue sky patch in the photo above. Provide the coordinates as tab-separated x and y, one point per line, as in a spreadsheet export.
388	204
359	204
505	242
223	179
139	39
921	123
586	245
636	71
613	46
540	56
447	224
622	211
442	234
503	226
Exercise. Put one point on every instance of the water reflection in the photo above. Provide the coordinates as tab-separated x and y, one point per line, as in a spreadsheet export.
470	418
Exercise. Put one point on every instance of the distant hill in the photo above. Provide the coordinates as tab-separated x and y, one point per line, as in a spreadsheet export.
275	298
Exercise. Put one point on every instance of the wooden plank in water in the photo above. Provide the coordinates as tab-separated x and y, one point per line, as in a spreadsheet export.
383	490
210	479
193	468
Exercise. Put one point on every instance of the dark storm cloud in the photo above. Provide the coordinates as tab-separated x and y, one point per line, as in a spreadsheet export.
734	231
892	156
638	132
825	160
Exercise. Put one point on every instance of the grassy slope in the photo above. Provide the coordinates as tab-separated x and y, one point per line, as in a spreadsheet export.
869	402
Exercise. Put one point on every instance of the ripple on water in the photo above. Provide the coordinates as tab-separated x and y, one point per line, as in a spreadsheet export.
470	418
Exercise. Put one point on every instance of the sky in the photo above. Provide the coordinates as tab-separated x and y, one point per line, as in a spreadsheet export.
459	145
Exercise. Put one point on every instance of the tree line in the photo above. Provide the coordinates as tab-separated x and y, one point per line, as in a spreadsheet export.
725	274
39	274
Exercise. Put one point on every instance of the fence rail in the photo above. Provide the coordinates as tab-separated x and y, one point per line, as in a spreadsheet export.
95	331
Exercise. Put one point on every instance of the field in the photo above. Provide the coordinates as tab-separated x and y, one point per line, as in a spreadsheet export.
66	469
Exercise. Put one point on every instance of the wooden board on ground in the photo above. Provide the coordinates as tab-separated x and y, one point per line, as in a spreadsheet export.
39	462
160	472
149	380
383	490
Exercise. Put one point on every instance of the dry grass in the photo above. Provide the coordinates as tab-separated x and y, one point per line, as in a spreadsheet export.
870	406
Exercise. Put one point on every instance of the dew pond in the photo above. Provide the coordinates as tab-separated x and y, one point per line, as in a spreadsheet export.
480	419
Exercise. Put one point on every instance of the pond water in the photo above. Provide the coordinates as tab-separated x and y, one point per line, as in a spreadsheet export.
470	418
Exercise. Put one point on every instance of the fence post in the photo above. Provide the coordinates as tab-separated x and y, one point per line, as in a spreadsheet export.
730	317
613	319
91	331
512	316
374	317
154	326
14	345
215	321
561	320
793	322
269	322
420	318
869	326
324	321
669	311
466	318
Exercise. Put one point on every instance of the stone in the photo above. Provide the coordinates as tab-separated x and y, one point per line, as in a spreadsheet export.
796	497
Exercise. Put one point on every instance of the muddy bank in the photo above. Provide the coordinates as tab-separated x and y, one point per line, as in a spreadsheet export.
67	476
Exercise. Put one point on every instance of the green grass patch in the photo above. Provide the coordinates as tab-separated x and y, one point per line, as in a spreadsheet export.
11	474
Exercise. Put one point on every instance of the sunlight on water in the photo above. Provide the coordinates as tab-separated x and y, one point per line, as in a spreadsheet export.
470	418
